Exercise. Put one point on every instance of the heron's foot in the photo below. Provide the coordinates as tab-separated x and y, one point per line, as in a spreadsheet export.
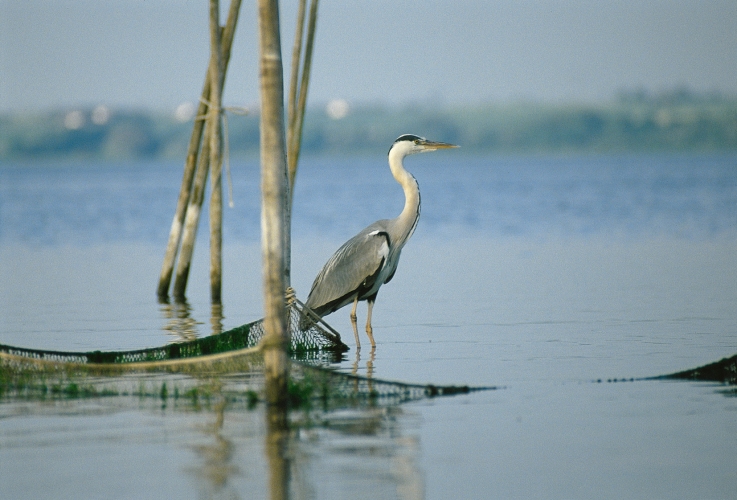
370	333
354	323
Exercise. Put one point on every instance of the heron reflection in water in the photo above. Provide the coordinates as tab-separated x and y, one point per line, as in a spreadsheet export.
368	260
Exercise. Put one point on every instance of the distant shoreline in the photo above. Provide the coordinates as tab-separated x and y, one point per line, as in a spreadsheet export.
633	123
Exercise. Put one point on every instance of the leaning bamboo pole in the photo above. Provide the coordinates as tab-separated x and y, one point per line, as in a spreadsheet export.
216	196
297	119
296	103
291	117
273	196
294	77
191	221
178	224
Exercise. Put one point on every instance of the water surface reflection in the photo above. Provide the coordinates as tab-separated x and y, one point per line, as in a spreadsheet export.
537	274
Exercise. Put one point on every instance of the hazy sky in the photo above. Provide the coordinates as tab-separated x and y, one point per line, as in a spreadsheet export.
153	53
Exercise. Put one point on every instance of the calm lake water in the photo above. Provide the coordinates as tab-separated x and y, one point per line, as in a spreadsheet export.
538	275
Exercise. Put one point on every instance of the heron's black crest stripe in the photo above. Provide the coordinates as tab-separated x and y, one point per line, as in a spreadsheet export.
408	137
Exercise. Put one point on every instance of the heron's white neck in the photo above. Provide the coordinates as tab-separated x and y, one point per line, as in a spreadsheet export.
407	220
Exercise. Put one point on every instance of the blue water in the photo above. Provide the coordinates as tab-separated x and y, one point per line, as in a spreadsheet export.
685	196
536	274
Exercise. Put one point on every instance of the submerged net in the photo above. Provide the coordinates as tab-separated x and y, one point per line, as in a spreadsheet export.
234	379
228	365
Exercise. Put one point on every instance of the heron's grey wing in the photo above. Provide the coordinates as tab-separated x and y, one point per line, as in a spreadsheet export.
355	266
394	269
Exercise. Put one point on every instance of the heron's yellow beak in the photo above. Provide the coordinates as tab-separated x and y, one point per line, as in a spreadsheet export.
432	146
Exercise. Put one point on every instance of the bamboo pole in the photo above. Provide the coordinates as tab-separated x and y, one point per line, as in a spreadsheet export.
191	221
295	133
295	115
273	196
294	77
216	197
175	233
291	118
177	224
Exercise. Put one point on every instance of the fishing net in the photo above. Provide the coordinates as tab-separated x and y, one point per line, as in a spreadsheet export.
228	365
313	340
723	371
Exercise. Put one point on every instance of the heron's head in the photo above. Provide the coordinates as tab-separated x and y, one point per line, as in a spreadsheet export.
408	144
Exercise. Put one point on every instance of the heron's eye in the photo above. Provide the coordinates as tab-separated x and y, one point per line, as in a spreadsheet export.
417	142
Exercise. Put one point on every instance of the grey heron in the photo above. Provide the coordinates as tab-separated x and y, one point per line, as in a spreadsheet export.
357	269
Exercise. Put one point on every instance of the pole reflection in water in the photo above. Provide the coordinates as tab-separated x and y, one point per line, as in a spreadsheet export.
182	327
217	457
360	453
271	452
277	450
216	318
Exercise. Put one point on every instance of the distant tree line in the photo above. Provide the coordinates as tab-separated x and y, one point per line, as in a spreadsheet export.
636	121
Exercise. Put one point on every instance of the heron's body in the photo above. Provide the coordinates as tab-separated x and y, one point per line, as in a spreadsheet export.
368	260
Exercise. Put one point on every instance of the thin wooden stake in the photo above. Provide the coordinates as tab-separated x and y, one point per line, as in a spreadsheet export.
291	118
195	139
273	196
295	144
191	221
177	224
216	198
295	115
294	77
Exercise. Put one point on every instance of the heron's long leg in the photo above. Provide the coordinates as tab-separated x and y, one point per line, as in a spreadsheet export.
354	322
369	330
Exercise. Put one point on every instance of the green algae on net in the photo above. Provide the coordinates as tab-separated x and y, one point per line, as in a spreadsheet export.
317	338
40	373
